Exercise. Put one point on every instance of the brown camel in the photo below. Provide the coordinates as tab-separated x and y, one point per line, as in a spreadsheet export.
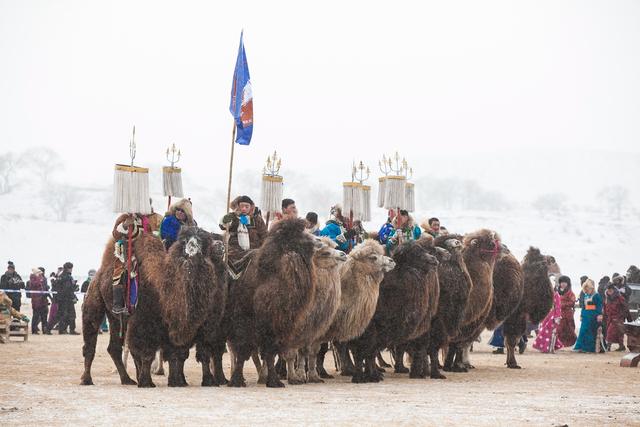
184	308
273	297
327	262
536	302
508	288
403	309
98	301
480	250
360	282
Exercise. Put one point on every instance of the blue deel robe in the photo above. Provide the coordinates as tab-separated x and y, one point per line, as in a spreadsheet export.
589	323
332	230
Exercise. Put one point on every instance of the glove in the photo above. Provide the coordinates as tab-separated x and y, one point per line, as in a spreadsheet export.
24	318
341	239
228	219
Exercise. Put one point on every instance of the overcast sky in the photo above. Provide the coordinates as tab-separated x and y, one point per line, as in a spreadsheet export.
332	81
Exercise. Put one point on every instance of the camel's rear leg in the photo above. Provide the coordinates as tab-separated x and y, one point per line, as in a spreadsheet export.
90	336
203	356
237	375
272	375
293	376
511	342
313	376
115	350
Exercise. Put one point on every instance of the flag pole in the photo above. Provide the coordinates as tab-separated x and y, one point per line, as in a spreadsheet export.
233	145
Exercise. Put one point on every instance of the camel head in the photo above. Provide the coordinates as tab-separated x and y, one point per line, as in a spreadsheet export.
633	274
483	243
415	254
452	244
194	241
370	255
327	256
535	260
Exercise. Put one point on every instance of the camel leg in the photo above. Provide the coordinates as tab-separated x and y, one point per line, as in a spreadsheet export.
90	337
115	351
262	373
237	375
465	357
157	367
203	356
292	376
313	375
511	342
358	370
417	364
255	358
216	363
281	368
448	359
324	348
435	364
398	355
348	368
301	365
272	375
381	362
176	367
143	370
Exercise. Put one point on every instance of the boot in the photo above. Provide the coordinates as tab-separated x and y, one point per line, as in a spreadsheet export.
118	300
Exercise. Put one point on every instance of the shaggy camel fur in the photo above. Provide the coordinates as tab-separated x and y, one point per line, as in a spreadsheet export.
273	297
455	286
536	302
98	301
327	262
360	282
508	288
479	251
402	310
184	309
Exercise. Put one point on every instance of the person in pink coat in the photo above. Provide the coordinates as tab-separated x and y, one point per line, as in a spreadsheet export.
547	333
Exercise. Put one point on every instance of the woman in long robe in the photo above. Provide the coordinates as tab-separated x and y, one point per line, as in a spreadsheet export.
548	331
590	317
567	326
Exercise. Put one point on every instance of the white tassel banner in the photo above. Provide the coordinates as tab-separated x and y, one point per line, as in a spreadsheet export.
410	197
394	195
352	199
381	190
366	203
271	198
172	181
131	190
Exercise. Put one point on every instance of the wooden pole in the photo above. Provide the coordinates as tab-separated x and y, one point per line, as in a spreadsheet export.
233	145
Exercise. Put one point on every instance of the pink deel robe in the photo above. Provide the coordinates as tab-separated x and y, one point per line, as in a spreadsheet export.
548	326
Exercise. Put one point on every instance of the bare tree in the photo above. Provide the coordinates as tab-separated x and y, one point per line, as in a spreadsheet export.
62	199
616	198
42	162
7	169
551	202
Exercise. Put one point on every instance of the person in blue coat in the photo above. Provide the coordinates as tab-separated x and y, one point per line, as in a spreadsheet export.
404	230
590	317
336	231
180	214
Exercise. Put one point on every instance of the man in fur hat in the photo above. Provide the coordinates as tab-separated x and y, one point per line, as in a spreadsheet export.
245	226
179	214
12	280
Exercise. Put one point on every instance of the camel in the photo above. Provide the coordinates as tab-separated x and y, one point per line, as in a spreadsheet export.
273	298
633	274
360	286
403	309
455	286
537	301
183	309
508	288
479	251
98	301
306	337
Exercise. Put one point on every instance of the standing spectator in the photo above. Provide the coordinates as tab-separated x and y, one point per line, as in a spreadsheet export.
590	317
39	301
621	284
549	329
387	227
13	282
53	311
85	285
67	300
581	295
179	214
312	223
567	327
289	209
616	311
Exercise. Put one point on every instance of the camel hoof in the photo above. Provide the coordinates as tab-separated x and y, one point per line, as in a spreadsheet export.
513	367
235	382
438	376
86	381
417	376
325	375
381	369
314	379
146	384
276	384
459	369
358	379
348	372
209	382
401	370
221	381
128	381
293	381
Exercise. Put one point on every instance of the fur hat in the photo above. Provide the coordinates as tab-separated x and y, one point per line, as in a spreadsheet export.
588	284
91	272
67	265
185	206
41	269
36	271
244	199
11	265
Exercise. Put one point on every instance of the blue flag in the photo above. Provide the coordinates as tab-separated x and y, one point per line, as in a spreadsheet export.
241	105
